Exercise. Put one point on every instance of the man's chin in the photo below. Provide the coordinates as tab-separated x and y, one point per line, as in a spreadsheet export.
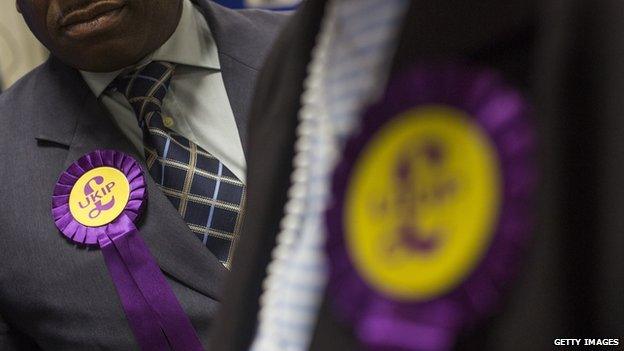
100	61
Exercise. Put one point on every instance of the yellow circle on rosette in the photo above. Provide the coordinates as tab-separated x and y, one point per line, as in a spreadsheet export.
99	196
422	203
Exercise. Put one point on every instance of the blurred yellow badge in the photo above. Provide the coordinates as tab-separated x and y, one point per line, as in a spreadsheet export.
99	196
422	203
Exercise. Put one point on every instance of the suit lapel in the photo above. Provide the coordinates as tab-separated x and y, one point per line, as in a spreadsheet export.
176	249
238	80
274	120
82	124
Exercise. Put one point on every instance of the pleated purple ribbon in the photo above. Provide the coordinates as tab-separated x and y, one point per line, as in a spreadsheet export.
384	323
153	311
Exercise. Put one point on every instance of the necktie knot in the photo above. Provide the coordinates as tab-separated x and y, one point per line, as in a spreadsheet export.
145	87
208	196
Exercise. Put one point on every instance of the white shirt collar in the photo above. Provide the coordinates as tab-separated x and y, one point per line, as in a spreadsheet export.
192	44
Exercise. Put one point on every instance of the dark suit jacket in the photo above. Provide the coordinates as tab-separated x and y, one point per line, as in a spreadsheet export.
56	296
565	56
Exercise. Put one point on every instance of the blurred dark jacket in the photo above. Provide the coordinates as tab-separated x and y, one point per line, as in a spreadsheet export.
567	58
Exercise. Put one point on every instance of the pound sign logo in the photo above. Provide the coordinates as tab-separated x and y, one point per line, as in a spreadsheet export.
422	202
422	185
99	196
95	196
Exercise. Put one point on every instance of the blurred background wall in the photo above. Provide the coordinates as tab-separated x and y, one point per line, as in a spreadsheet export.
19	50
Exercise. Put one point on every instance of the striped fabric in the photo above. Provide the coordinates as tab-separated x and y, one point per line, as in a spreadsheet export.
348	71
208	196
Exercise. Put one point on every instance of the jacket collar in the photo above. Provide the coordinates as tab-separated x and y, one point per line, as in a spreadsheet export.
75	119
237	45
191	44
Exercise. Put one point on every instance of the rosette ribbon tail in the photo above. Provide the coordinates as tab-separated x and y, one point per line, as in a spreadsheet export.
141	318
95	203
154	313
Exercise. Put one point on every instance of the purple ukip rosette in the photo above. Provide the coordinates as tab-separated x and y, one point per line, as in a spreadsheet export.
432	207
96	202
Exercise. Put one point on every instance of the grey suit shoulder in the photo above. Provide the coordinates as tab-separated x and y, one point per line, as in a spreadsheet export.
54	296
258	28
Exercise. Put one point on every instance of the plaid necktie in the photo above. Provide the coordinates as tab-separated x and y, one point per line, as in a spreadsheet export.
207	194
